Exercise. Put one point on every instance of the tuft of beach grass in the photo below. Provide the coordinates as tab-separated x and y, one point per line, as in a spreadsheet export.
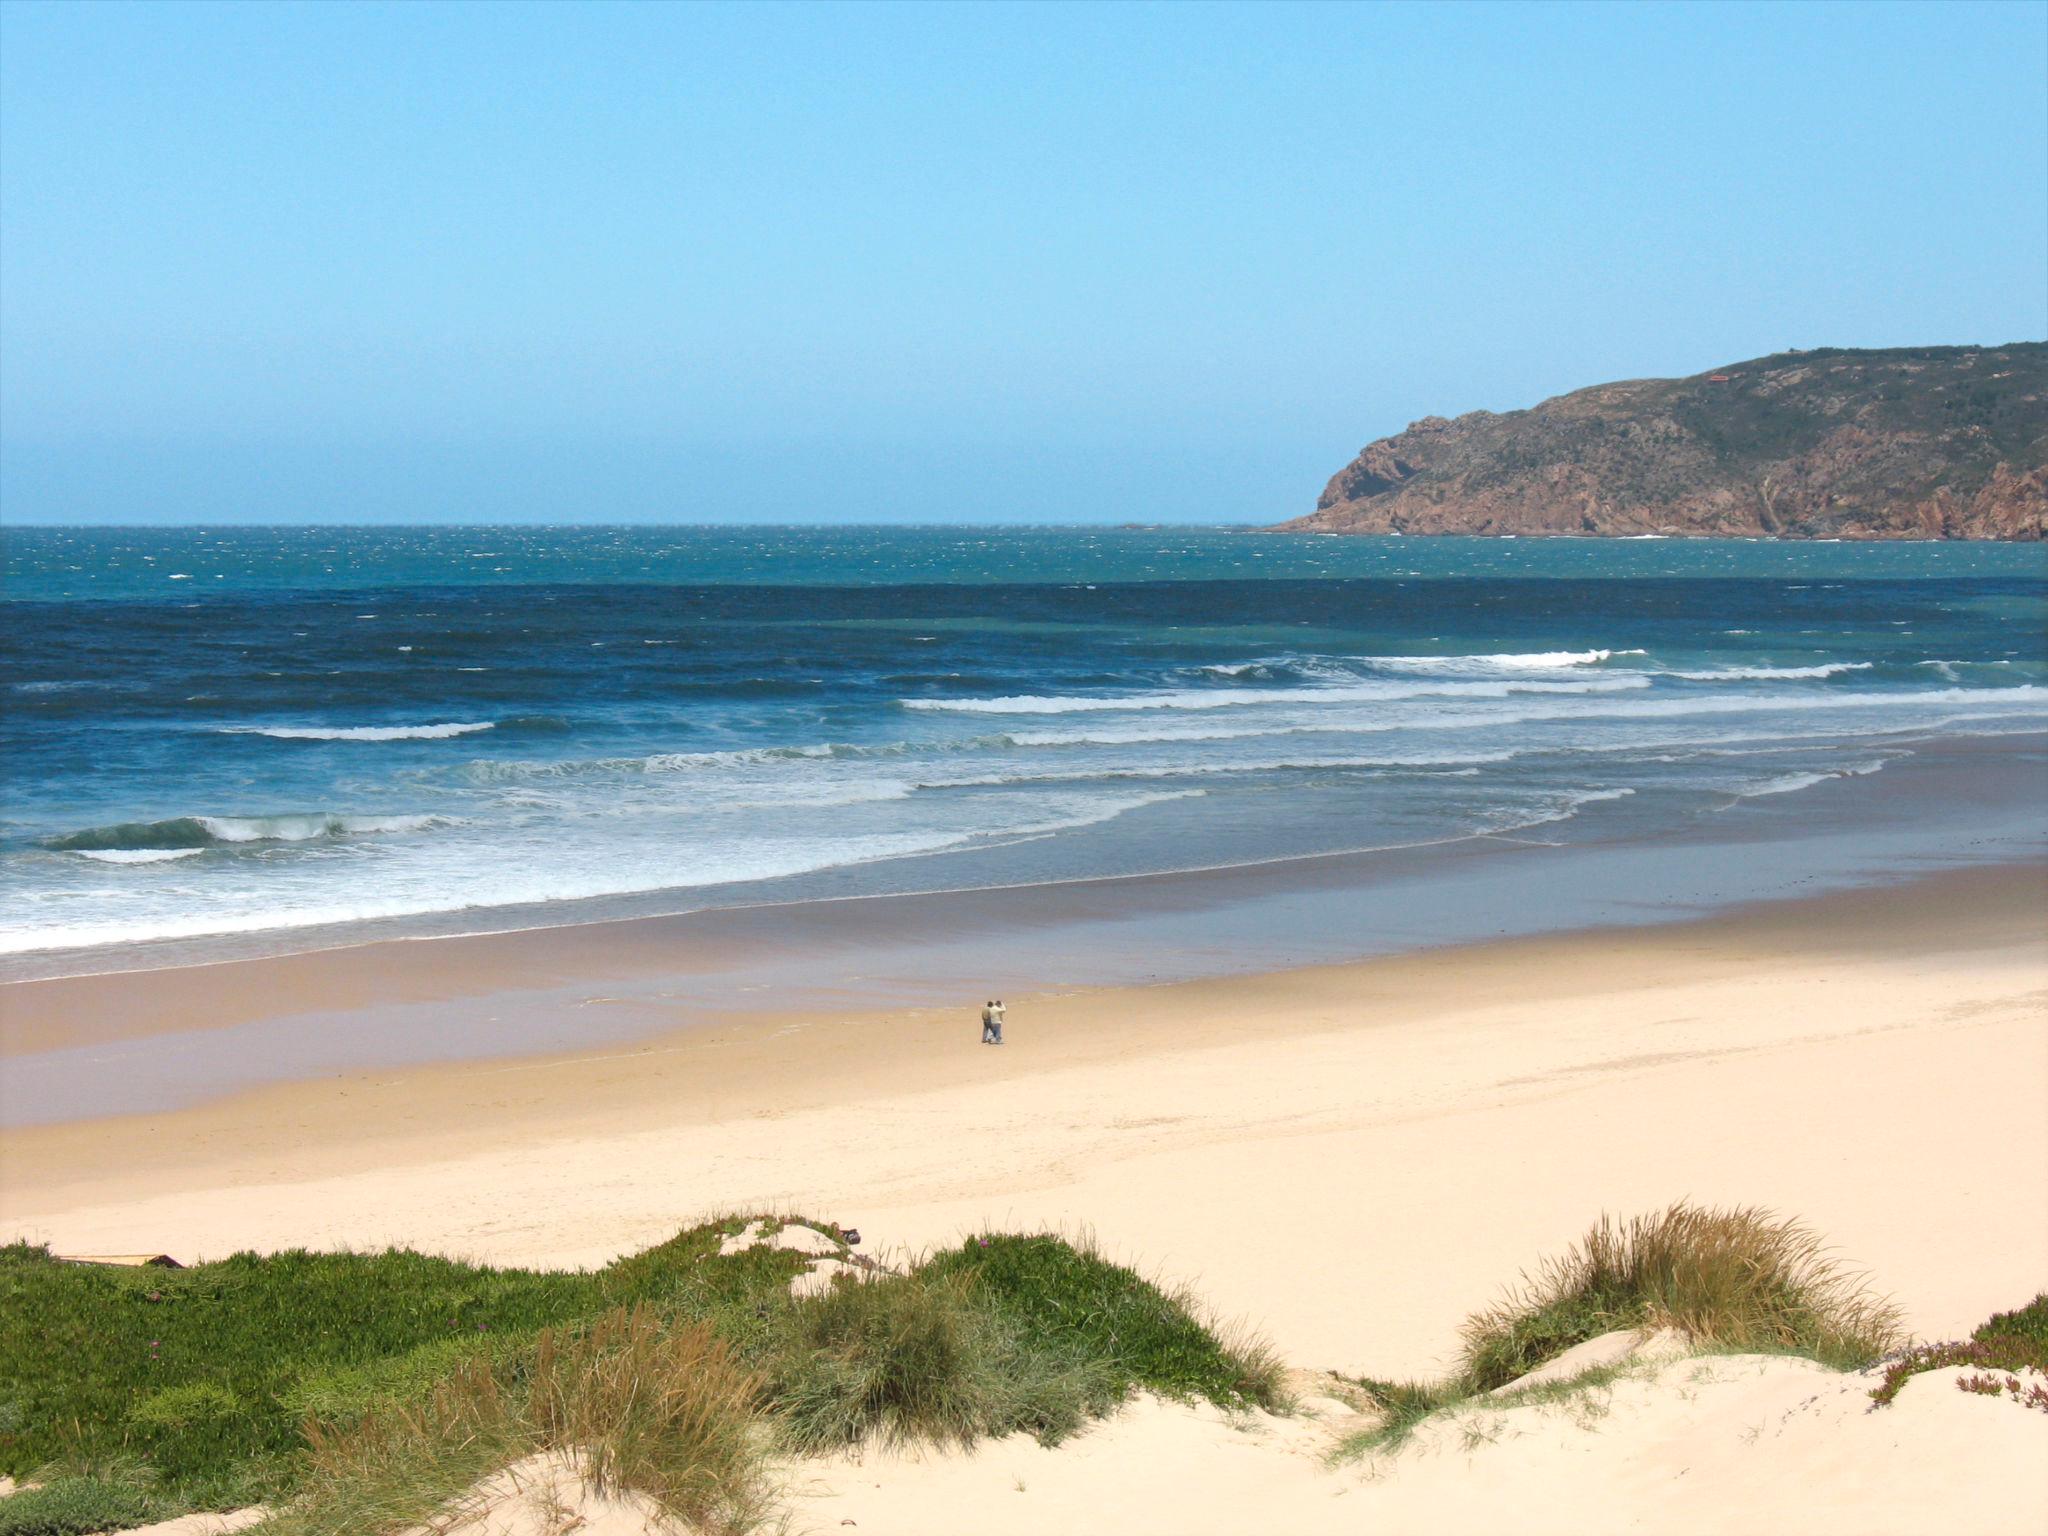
1729	1281
1739	1280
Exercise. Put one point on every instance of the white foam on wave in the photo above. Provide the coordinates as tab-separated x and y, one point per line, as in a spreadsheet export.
2025	698
1503	661
137	855
1790	783
1562	810
1769	674
2021	700
494	885
1102	811
1238	698
813	795
1136	735
304	828
490	771
1193	770
438	732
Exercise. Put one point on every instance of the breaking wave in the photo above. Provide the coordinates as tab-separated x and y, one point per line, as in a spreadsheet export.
361	732
136	855
1505	661
1791	783
195	834
1770	674
1226	698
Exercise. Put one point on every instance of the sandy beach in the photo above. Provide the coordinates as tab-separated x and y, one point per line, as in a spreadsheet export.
1348	1158
1434	1121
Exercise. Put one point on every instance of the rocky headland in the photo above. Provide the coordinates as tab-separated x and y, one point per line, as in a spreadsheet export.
1905	443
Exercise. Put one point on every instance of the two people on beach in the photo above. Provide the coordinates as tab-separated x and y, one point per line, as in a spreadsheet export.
992	1022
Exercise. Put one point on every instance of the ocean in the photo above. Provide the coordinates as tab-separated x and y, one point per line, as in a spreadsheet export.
264	733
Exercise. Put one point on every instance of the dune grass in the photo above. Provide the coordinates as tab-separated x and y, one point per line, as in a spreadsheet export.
1742	1280
922	1357
1002	1335
667	1411
1730	1281
1062	1295
362	1392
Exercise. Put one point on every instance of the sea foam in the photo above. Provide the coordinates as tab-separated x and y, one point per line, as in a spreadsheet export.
361	732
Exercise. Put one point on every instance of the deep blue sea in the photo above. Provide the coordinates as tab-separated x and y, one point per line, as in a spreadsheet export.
244	730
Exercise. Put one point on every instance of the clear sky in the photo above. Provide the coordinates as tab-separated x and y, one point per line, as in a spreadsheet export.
357	262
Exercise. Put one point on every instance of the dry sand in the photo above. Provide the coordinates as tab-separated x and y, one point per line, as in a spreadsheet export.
1733	1444
1350	1157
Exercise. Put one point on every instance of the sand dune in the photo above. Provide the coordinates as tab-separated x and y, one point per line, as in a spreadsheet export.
1730	1443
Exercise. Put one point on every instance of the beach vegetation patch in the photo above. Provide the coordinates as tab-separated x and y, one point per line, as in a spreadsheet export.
1064	1295
2007	1342
368	1392
645	1406
1742	1280
1402	1406
209	1374
76	1500
923	1356
2028	1322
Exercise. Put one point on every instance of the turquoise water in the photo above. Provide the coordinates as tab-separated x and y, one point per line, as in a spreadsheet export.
267	730
58	563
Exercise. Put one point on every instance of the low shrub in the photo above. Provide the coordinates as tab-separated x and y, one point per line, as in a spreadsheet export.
2028	1322
74	1502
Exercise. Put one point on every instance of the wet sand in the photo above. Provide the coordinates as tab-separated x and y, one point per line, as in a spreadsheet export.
129	1041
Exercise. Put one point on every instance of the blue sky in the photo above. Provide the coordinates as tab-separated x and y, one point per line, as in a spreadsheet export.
930	263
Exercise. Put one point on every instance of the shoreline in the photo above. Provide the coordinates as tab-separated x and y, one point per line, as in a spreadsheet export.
151	1041
1513	1090
1970	755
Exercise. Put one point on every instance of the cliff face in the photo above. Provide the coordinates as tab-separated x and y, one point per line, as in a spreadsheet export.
1911	443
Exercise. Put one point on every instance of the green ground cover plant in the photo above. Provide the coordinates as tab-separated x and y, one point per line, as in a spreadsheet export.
208	1373
73	1503
2006	1342
360	1392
